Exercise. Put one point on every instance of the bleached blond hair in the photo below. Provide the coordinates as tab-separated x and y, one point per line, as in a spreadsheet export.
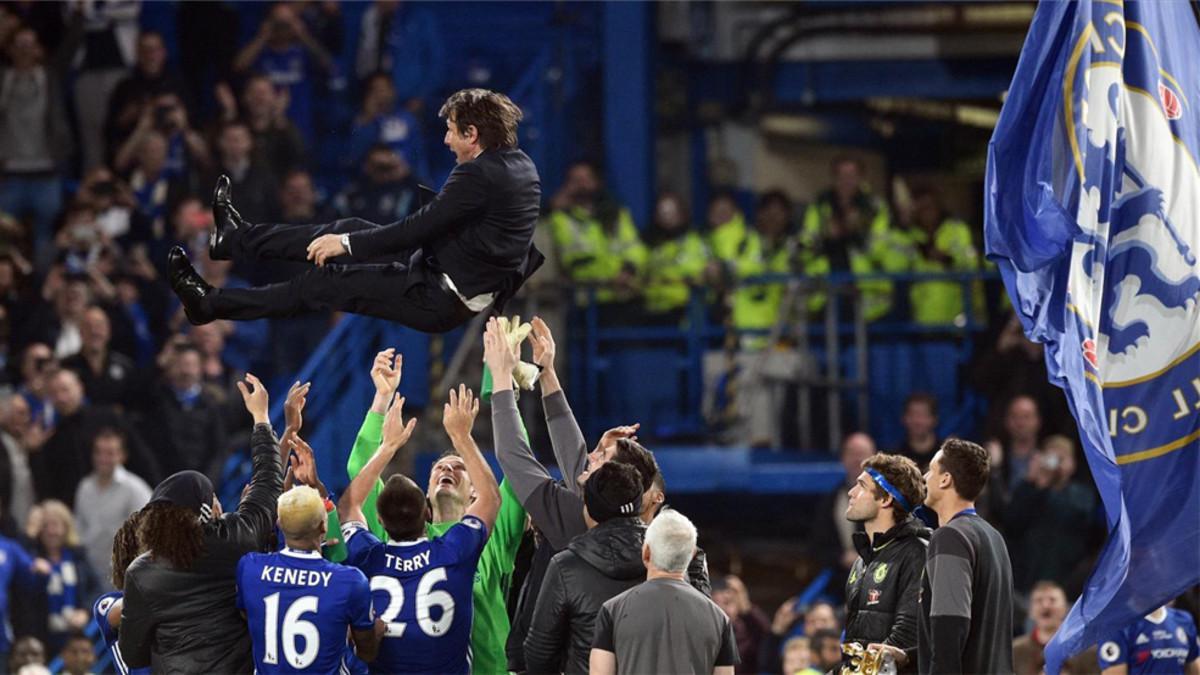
301	512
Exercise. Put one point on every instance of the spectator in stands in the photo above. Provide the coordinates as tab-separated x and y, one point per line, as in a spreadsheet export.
104	36
115	206
16	480
286	53
940	243
295	338
769	249
750	624
403	40
1047	610
60	607
185	424
298	200
386	191
150	79
35	141
28	651
798	657
37	366
186	150
594	567
847	230
155	189
1013	454
920	421
15	294
676	263
245	341
1011	366
827	647
1048	517
65	458
596	238
382	122
820	616
76	655
252	181
209	340
664	625
106	375
278	144
103	501
832	536
58	324
726	225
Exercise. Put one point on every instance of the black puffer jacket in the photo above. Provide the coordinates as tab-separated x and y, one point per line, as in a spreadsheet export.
883	587
597	565
187	621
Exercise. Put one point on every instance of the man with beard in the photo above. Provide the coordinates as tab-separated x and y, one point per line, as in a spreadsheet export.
881	593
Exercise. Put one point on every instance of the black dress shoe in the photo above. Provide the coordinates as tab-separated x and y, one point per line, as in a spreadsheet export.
192	289
226	222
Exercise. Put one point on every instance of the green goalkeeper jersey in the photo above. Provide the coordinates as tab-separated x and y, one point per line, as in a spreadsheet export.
489	630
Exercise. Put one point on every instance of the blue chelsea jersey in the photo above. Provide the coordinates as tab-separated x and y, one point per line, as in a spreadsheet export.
422	590
100	611
298	606
1146	647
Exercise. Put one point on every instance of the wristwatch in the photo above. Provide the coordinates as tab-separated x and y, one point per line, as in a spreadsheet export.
346	243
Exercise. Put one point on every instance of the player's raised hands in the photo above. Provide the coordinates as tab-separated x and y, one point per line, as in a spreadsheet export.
293	406
498	354
616	433
544	349
304	466
385	371
458	415
254	395
396	431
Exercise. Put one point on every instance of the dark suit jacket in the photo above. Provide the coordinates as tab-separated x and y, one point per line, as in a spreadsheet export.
479	228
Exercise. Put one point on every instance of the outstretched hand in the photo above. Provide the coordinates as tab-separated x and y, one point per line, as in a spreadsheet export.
616	433
254	395
543	344
501	357
396	431
385	371
304	467
293	406
458	415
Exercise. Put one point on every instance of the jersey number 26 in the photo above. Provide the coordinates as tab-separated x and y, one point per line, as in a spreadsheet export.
427	598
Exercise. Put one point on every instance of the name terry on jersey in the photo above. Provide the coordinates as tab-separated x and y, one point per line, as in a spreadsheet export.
412	564
294	577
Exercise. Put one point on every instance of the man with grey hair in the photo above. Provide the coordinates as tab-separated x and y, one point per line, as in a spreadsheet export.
664	625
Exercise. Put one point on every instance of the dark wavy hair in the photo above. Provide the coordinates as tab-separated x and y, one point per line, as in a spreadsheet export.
125	548
493	115
171	532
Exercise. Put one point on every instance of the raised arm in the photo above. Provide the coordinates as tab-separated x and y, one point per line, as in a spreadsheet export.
462	198
255	516
396	433
458	417
566	438
385	375
556	512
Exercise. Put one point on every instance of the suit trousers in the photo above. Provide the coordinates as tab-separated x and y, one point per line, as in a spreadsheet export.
405	290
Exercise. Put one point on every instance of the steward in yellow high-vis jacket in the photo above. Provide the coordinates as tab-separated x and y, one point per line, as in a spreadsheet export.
846	229
770	248
678	257
597	240
940	244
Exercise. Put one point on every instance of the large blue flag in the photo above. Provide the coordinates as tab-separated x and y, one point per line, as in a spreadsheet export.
1093	215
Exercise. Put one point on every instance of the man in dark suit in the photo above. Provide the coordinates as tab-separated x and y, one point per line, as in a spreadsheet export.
470	248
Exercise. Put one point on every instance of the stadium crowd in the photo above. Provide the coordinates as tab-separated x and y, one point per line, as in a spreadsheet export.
108	154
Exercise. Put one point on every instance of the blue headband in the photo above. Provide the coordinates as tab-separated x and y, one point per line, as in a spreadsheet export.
889	488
